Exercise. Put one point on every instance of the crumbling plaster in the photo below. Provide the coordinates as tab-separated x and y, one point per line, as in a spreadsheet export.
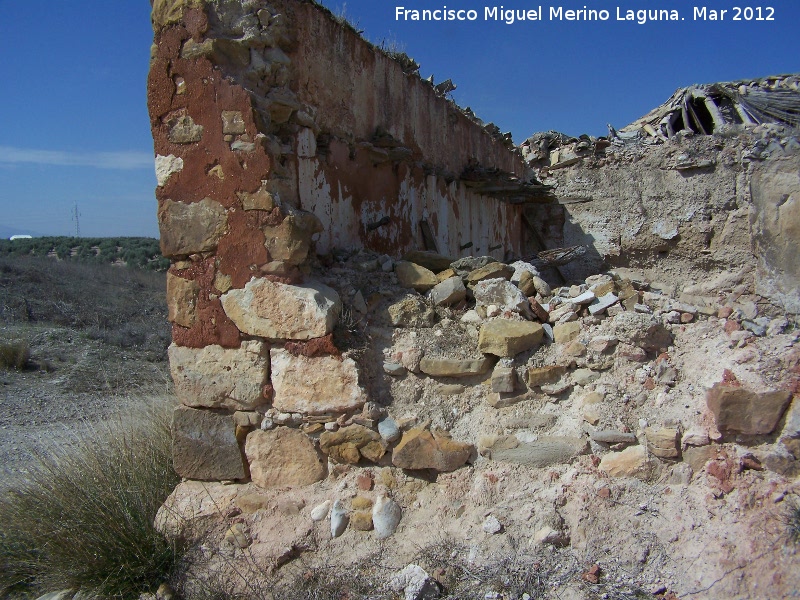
689	210
273	150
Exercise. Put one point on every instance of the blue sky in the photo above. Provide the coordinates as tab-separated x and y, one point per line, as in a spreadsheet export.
74	121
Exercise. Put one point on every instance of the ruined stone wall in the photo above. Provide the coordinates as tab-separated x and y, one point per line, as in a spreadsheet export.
695	212
281	135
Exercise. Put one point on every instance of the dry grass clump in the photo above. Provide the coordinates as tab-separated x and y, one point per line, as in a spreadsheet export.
15	355
84	517
535	574
119	306
792	519
539	573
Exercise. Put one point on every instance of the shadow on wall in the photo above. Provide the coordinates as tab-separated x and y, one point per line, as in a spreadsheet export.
551	226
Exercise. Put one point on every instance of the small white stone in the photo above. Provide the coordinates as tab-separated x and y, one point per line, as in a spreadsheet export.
415	583
319	512
389	430
386	515
492	525
339	519
166	166
471	316
697	436
283	418
394	369
584	298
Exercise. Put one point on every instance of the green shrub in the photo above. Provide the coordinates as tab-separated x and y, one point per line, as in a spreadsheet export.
84	517
15	355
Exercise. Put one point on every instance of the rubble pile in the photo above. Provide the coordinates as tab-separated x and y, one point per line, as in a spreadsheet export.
481	384
617	409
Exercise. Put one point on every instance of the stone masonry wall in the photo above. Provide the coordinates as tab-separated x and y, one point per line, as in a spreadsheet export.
694	211
281	135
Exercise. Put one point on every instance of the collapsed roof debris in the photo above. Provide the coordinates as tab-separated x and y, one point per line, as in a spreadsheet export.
705	109
773	102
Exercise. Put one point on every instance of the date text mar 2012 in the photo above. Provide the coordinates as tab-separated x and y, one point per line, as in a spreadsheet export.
734	13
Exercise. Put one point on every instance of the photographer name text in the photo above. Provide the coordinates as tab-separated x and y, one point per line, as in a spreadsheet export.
560	13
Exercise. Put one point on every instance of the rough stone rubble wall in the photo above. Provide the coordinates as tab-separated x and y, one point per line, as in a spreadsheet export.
277	130
694	210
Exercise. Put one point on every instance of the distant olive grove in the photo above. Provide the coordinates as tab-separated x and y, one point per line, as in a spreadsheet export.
137	252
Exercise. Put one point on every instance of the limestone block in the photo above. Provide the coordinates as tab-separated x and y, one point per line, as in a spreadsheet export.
280	311
454	367
503	379
564	333
612	436
411	311
283	457
446	274
505	399
261	199
495	270
166	166
217	50
602	303
190	228
361	520
504	337
526	283
355	434
281	104
217	377
349	444
448	292
737	409
413	583
167	12
204	445
640	330
629	463
181	300
411	275
501	293
662	441
544	452
318	385
232	122
291	240
183	130
584	376
423	449
543	375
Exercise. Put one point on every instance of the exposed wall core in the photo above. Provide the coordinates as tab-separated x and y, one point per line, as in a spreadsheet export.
280	135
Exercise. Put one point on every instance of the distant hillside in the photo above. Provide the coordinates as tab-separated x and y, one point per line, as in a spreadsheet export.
138	252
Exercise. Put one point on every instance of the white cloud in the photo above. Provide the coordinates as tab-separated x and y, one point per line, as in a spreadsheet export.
125	160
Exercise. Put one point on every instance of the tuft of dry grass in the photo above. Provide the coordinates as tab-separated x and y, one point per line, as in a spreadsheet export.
15	355
791	519
84	517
